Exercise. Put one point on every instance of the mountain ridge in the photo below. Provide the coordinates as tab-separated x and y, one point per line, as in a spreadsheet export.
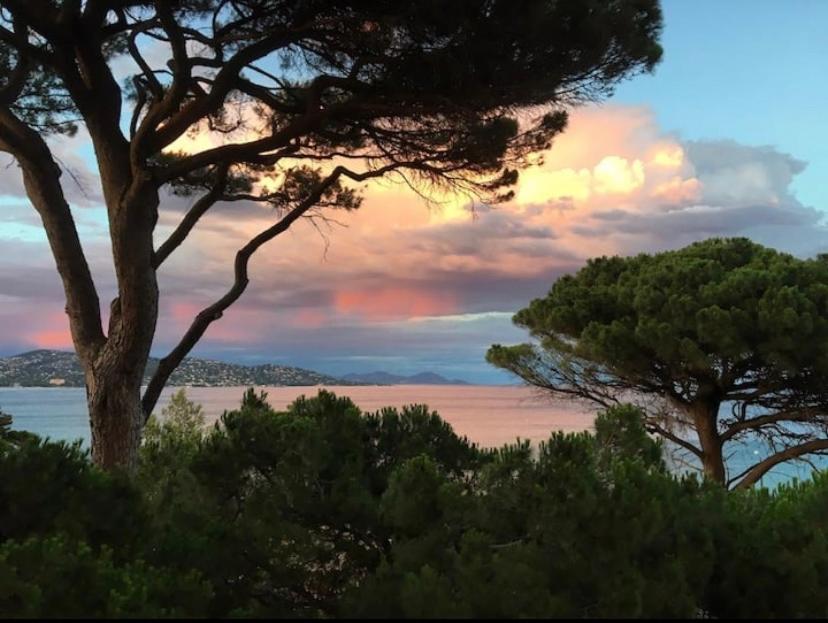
54	368
385	378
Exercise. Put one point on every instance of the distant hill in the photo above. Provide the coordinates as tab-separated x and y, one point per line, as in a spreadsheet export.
48	368
384	378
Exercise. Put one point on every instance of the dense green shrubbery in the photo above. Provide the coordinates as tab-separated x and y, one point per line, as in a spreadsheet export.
325	511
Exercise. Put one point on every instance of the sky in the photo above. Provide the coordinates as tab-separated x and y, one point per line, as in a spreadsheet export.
726	138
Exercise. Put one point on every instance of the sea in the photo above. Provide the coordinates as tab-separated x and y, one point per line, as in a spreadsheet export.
490	416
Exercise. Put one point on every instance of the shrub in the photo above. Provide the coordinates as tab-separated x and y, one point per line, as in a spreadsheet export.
57	577
49	488
323	510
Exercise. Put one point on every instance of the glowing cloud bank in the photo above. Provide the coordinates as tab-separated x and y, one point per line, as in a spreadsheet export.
340	295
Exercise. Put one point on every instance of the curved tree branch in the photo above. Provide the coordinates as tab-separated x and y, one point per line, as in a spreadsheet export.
215	311
225	81
754	473
800	415
199	208
249	151
655	428
41	177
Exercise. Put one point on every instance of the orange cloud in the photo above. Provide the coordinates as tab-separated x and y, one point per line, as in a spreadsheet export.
678	190
609	158
670	156
617	175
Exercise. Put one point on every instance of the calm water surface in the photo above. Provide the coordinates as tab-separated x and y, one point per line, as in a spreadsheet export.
488	415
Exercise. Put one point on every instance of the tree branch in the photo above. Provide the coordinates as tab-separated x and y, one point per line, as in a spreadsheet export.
225	81
22	44
16	81
192	217
215	311
753	474
162	107
655	428
41	177
242	152
772	418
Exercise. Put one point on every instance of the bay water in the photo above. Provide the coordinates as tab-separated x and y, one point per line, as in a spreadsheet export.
488	415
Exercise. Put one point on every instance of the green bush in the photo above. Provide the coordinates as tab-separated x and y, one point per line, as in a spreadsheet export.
540	536
772	553
322	510
49	488
72	540
56	577
288	503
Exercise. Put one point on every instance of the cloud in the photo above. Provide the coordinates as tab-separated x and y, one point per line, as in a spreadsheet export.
436	284
631	187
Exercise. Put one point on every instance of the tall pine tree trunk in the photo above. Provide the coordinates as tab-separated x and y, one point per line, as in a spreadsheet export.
115	374
114	360
116	417
705	415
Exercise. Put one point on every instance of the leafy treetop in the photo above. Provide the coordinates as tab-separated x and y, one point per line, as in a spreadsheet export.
720	321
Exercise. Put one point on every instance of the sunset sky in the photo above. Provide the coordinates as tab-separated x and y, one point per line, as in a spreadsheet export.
728	137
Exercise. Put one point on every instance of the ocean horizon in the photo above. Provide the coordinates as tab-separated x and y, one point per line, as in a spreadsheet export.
488	415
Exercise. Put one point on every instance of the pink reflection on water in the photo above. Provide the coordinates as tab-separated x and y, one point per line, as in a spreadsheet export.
487	415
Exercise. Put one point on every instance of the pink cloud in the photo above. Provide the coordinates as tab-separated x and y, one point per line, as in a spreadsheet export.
614	182
57	339
183	312
310	318
394	303
51	332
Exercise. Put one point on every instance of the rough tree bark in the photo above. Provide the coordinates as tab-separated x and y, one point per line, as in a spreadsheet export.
114	362
114	377
113	366
115	373
705	415
115	414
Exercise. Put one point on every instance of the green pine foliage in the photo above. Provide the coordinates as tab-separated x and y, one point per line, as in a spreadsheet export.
56	576
721	342
323	510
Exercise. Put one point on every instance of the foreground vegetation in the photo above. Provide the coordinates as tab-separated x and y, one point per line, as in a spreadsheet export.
325	511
